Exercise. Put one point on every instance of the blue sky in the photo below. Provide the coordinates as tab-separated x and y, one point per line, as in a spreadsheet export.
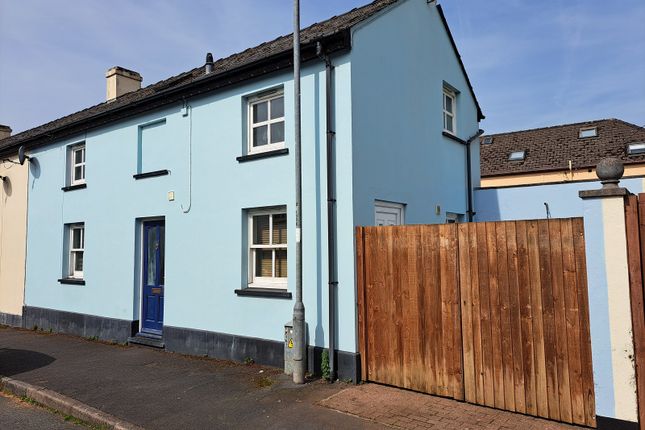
531	63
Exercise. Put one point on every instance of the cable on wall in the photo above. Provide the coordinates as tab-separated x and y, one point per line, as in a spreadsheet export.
188	112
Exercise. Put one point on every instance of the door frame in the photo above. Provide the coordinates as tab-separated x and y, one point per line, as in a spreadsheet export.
140	225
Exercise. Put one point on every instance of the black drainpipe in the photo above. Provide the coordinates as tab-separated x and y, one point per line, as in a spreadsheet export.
331	212
469	175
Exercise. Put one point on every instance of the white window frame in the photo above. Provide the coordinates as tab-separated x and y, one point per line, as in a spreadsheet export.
72	252
251	125
72	164
264	281
385	207
453	96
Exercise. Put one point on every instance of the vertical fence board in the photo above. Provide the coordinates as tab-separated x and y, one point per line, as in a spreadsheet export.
548	320
572	323
583	312
505	316
468	338
496	319
486	323
476	315
538	319
360	300
515	323
557	271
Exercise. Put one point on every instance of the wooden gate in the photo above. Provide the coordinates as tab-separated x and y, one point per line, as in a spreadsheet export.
492	313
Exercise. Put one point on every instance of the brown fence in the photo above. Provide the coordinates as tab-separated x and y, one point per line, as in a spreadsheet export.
635	226
491	313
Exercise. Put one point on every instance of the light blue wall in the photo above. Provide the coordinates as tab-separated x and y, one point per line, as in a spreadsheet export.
205	253
400	155
388	100
527	202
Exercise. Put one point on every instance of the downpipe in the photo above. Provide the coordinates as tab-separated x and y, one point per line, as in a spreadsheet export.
469	175
331	211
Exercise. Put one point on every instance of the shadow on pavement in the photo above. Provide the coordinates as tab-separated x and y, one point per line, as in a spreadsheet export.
15	361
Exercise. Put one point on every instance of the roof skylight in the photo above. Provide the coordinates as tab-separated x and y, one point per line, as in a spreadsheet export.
588	132
636	148
517	156
487	140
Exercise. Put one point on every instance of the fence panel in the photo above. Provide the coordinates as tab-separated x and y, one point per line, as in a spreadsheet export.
492	313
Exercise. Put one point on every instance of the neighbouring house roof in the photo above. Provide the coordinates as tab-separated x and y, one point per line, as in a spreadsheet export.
265	58
551	148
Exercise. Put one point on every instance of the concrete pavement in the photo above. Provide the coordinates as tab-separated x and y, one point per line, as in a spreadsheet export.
18	415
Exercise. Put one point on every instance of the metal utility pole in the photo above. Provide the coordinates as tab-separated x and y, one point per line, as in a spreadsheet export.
299	354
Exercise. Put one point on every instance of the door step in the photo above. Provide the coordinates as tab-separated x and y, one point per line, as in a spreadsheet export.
147	340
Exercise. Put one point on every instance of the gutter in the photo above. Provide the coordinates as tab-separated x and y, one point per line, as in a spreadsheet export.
331	210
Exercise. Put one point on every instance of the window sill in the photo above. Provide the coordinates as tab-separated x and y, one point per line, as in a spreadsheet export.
264	292
260	155
151	174
74	187
72	281
453	137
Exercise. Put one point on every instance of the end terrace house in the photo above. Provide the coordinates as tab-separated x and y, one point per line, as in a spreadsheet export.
166	214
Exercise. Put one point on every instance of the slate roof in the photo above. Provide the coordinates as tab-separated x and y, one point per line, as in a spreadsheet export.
551	148
222	68
249	56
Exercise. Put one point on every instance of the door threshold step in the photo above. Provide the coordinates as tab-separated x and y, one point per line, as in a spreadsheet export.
154	342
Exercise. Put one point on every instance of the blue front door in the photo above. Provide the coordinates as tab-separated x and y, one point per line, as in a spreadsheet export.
153	277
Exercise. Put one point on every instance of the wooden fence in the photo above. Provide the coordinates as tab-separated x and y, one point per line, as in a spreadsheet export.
491	313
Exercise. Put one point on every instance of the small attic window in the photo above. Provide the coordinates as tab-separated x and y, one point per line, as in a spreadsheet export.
588	132
517	156
487	140
636	148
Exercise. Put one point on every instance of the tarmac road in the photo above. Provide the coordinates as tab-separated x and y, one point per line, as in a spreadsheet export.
18	415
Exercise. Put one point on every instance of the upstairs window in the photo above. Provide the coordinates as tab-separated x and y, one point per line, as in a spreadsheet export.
588	132
268	248
449	111
76	164
266	123
76	250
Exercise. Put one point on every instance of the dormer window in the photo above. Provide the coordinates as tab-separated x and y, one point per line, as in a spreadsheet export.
517	156
636	148
588	132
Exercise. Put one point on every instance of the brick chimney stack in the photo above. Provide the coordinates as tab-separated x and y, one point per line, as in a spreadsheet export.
5	131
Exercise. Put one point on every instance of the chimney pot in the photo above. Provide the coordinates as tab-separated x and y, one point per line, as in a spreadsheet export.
5	131
121	81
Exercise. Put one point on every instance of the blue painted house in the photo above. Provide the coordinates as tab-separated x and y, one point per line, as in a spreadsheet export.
166	214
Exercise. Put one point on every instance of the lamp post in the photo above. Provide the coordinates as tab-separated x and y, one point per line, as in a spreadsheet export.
299	362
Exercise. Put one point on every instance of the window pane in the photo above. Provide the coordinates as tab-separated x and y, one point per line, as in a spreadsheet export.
77	242
78	156
277	132
260	112
263	262
261	230
277	108
449	125
152	245
78	173
448	103
260	137
78	261
281	263
279	229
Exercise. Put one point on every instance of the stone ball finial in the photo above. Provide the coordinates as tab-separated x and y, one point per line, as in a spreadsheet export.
609	170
